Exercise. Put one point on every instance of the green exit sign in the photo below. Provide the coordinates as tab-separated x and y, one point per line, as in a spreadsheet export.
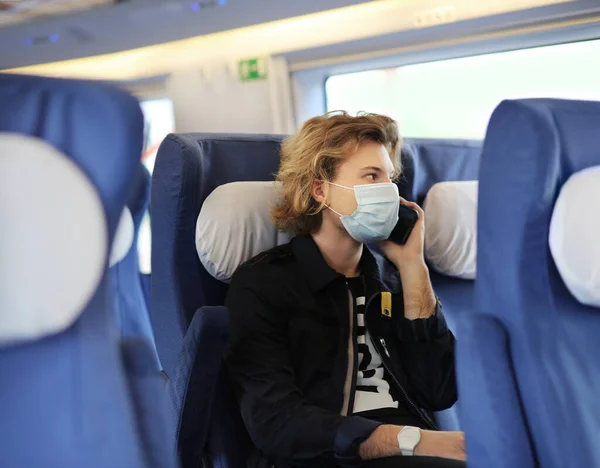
253	69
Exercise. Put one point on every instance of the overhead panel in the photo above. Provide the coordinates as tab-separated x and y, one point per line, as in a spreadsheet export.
41	33
13	12
187	31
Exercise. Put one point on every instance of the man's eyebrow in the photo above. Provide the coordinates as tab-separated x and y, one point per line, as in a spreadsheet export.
376	169
372	168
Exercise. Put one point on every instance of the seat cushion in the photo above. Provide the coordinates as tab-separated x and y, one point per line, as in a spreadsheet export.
451	228
235	225
574	234
54	238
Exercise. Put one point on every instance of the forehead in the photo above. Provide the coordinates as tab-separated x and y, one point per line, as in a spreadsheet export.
369	154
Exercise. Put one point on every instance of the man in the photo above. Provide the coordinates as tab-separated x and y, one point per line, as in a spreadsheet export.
336	352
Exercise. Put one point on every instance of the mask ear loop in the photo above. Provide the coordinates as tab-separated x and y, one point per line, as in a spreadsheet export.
337	185
328	207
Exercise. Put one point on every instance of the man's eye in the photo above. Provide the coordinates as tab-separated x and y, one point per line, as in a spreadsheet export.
371	176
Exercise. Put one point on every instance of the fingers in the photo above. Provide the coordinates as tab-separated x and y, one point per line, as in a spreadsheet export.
412	205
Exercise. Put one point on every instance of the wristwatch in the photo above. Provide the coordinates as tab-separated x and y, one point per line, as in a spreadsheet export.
408	439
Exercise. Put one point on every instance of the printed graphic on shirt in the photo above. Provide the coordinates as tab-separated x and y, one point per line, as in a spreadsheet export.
372	390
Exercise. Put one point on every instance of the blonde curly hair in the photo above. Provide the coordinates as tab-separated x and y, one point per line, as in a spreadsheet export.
313	154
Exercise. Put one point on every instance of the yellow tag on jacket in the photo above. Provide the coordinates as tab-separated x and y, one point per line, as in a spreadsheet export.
386	304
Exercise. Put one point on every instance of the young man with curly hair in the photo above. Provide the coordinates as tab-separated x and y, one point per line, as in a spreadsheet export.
339	354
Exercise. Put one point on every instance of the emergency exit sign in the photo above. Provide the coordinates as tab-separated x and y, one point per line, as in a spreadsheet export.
253	69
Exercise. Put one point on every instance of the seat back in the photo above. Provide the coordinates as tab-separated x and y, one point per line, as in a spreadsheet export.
68	153
427	162
531	149
133	316
188	168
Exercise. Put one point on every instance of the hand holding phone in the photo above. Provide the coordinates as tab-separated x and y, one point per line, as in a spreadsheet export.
407	218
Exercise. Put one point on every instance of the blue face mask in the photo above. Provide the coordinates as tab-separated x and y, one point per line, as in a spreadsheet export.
376	214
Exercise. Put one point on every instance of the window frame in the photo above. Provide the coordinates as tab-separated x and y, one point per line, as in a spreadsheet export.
309	83
147	89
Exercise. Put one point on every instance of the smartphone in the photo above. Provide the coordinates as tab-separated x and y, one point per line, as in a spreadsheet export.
407	218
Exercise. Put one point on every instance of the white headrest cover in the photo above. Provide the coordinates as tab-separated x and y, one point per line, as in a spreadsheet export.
574	235
451	228
52	241
234	225
123	238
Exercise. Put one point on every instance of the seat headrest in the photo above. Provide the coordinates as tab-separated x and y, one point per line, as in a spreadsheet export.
53	242
235	225
574	235
124	238
451	228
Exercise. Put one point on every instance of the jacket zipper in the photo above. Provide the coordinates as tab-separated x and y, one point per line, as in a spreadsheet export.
350	383
424	418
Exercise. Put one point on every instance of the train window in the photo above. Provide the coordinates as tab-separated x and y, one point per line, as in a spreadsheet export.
159	121
455	98
144	245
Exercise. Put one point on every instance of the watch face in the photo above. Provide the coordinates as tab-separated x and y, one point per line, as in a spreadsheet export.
408	439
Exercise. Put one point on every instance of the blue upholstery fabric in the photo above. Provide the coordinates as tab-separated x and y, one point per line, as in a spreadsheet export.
429	161
148	394
58	111
531	148
425	163
193	386
491	413
146	279
132	313
65	399
188	168
456	296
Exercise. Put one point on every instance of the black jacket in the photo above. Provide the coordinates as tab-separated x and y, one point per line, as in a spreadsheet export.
293	354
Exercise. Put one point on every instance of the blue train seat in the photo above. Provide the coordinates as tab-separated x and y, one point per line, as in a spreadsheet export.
190	342
147	290
197	389
188	168
450	250
527	356
426	163
73	391
131	310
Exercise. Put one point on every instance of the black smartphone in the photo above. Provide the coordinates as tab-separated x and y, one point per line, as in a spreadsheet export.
407	218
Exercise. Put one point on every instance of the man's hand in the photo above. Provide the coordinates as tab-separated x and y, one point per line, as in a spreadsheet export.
419	298
384	443
442	444
410	253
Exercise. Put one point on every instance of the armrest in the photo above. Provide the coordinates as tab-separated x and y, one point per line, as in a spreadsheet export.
150	404
192	388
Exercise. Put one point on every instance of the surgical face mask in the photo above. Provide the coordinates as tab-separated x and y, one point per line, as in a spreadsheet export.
376	214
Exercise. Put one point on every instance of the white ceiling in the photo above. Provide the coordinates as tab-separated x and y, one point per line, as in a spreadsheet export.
114	26
19	11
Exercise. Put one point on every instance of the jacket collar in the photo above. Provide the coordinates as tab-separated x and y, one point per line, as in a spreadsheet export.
316	270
